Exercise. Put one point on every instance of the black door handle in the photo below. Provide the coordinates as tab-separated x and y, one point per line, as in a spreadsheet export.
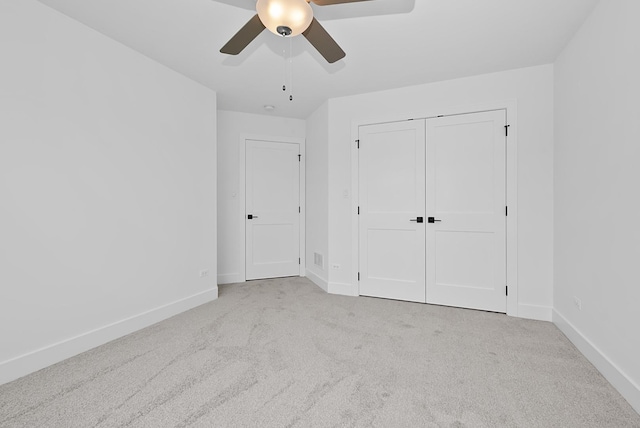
432	219
251	216
418	219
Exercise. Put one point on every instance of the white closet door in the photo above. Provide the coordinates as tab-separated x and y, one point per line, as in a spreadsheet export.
391	200
272	205
466	184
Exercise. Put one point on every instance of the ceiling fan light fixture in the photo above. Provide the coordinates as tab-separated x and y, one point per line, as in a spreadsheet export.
293	14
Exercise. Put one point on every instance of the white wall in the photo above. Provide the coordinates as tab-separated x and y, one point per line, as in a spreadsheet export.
597	151
532	88
317	210
231	126
107	189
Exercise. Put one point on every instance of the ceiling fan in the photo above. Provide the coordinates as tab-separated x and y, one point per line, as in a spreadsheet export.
288	18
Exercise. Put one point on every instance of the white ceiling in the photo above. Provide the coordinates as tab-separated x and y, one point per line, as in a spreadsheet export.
389	44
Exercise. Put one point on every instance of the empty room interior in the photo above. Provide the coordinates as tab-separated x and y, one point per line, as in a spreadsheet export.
298	213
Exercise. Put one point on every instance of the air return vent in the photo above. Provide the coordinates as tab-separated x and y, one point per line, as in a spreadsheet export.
318	260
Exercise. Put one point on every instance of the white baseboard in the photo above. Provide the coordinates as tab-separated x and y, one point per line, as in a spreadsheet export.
33	361
317	280
620	381
230	278
343	289
534	312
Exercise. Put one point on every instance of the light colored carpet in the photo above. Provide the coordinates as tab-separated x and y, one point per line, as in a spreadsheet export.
282	353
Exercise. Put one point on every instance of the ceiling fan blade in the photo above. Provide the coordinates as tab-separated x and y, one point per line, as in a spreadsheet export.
330	2
323	42
242	38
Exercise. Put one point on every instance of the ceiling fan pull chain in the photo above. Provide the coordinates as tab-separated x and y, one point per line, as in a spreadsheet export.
284	57
290	69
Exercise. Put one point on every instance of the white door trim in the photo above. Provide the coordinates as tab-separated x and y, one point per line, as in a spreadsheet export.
242	177
510	106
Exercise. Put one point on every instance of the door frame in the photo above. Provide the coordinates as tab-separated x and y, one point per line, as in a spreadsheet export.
242	194
511	109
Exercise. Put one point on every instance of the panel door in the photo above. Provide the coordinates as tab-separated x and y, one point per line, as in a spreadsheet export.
391	199
466	192
272	217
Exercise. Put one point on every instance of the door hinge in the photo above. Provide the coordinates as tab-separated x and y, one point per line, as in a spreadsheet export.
358	210
506	130
358	143
299	210
506	290
506	211
298	260
358	276
299	157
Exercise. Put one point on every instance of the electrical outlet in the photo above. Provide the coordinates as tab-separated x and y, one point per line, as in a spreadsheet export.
577	303
204	273
335	266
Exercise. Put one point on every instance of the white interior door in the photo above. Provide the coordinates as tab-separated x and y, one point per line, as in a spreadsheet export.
391	199
466	186
272	209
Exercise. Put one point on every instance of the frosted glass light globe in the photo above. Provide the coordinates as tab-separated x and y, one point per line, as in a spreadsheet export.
295	14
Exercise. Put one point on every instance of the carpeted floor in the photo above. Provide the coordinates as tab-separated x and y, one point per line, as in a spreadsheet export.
282	353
